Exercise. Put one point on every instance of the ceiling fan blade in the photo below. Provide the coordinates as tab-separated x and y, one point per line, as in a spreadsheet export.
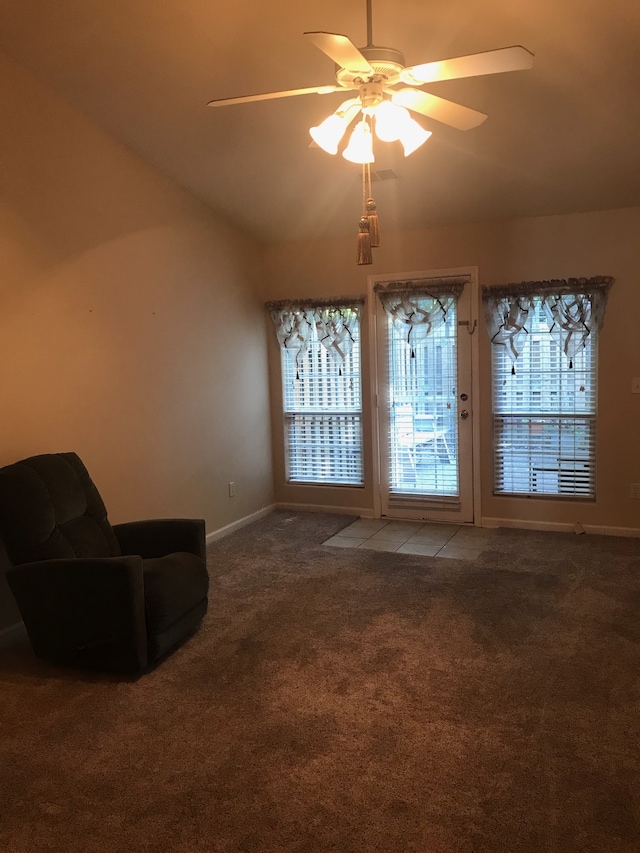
267	96
447	112
343	52
514	58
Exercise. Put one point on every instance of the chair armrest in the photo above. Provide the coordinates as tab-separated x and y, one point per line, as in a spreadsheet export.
158	537
86	612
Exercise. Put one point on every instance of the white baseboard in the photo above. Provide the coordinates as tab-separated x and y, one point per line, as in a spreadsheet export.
489	522
242	522
632	532
561	527
360	512
12	633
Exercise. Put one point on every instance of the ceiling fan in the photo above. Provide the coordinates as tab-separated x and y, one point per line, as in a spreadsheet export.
380	77
386	94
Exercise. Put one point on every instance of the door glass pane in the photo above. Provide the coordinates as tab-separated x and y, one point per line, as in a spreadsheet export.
423	425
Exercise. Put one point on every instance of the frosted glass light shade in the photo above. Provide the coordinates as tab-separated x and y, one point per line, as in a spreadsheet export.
389	121
360	147
329	132
412	135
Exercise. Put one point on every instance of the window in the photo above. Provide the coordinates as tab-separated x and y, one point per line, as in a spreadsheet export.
322	398
544	416
544	377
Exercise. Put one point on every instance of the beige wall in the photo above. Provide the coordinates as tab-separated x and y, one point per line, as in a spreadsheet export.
600	243
131	323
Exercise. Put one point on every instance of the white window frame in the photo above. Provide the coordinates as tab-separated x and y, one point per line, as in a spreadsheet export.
544	438
322	412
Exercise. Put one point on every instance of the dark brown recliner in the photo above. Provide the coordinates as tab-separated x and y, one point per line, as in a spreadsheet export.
92	595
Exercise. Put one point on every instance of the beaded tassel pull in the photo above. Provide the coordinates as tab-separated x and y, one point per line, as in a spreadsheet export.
374	223
364	242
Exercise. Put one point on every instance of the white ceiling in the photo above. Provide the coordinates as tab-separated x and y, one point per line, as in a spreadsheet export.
563	137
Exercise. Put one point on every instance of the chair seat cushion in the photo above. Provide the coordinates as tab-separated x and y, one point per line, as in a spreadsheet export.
173	585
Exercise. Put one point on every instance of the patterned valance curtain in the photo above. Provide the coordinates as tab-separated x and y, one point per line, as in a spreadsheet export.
574	308
417	308
334	321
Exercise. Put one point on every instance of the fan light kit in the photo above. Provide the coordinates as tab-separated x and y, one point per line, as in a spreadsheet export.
386	95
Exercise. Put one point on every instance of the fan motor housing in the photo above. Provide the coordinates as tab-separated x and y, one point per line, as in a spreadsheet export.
387	63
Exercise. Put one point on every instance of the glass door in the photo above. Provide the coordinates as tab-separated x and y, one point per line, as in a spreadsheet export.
423	341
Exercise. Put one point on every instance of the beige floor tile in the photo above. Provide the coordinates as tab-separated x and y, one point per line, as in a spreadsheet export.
398	531
363	528
449	529
432	535
405	524
419	549
344	541
380	545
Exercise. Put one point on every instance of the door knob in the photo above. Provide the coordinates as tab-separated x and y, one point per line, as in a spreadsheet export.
464	414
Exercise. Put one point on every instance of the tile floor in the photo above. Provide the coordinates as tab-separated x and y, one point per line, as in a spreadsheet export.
414	537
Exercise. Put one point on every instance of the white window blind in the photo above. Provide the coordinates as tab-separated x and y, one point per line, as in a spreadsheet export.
544	415
323	413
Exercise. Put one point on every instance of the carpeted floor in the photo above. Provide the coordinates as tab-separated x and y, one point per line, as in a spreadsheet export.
350	700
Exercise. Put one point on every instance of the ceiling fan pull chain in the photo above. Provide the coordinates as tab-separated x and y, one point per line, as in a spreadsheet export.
364	238
372	213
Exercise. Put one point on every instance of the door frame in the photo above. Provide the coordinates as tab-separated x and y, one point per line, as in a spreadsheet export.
371	303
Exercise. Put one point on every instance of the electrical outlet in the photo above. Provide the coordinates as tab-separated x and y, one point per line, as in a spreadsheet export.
232	490
635	491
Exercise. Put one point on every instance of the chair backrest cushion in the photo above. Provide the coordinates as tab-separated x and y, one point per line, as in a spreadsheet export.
50	508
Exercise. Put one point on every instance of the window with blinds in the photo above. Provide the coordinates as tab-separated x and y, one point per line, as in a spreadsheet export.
544	417
323	414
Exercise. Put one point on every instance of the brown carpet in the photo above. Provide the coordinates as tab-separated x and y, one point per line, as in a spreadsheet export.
350	701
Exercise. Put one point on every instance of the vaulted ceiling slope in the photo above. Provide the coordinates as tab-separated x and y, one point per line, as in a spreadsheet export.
562	137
